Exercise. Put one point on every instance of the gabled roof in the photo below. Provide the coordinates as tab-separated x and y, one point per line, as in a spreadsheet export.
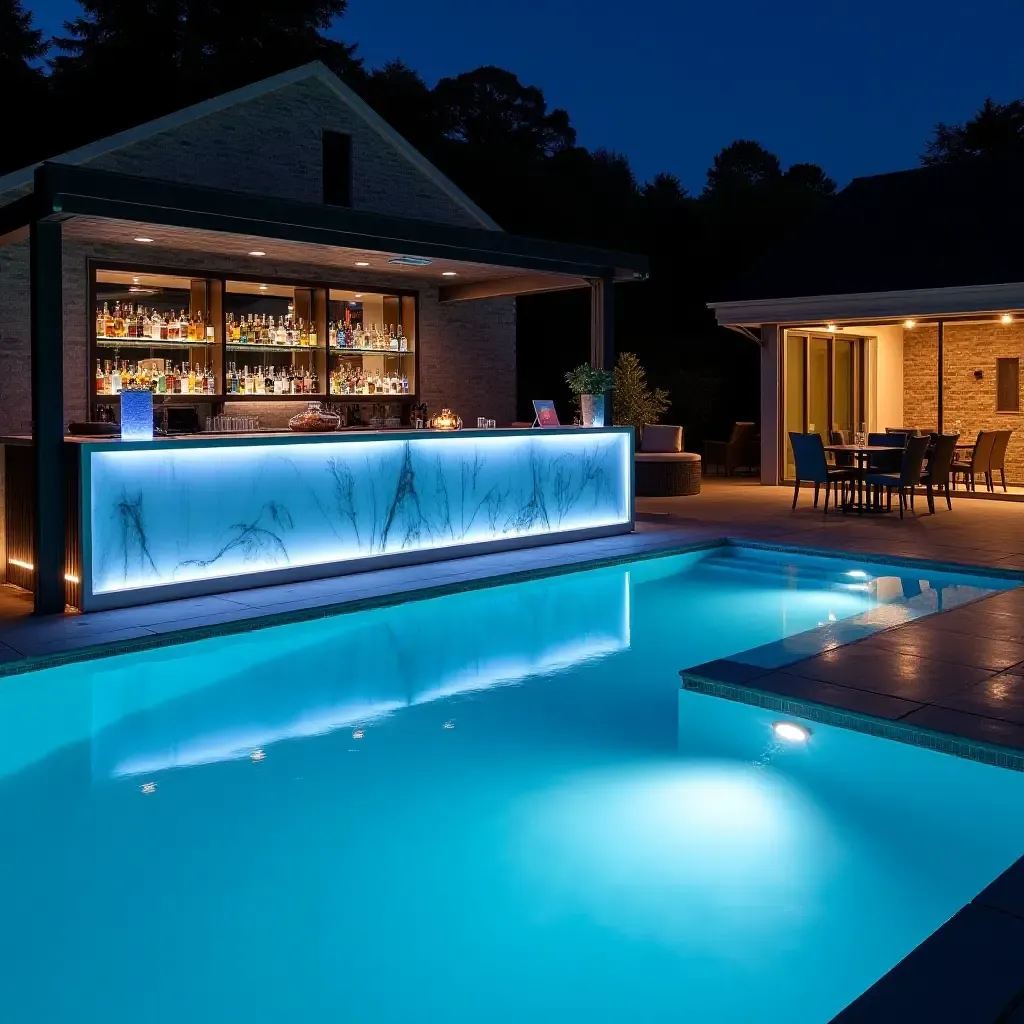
947	226
19	182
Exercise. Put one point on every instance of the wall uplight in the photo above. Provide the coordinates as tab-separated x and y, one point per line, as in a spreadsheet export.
1006	318
362	263
142	238
257	252
791	732
910	324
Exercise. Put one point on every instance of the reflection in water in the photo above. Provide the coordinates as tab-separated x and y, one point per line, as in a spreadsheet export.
361	669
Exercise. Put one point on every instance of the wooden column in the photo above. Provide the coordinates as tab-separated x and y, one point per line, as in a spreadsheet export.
771	403
47	334
602	322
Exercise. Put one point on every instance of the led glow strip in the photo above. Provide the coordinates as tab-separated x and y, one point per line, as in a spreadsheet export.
69	577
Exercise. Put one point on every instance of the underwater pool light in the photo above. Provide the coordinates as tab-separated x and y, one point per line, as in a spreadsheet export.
857	574
791	732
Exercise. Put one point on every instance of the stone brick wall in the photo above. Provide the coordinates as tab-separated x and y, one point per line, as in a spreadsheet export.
15	343
271	146
467	352
920	378
969	403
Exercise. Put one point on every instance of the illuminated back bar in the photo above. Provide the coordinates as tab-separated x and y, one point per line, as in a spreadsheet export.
174	518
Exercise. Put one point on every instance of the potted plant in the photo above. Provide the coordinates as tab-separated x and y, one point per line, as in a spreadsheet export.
635	403
590	384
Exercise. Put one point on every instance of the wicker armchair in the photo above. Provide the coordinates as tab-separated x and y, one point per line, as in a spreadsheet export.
741	450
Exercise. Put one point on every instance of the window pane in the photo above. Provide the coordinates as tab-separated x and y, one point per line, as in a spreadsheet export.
843	387
1007	385
817	406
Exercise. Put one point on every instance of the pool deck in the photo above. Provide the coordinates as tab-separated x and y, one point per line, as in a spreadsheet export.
953	680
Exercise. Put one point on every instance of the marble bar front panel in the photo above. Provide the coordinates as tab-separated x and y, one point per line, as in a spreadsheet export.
174	518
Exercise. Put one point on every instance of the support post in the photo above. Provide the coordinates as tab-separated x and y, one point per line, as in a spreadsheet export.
939	426
772	437
602	322
47	358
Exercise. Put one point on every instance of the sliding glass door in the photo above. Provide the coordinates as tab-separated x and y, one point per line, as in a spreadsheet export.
823	388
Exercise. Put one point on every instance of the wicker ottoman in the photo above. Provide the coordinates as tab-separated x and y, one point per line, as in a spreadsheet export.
667	474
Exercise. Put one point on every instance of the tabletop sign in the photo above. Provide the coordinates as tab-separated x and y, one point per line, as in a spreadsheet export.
545	413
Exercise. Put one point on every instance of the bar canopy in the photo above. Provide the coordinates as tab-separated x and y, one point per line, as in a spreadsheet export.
109	206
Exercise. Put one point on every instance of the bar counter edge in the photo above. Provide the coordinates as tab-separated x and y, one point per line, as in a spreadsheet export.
277	508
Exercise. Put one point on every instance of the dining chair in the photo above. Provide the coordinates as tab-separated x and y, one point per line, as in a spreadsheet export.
939	467
812	467
908	477
979	461
997	460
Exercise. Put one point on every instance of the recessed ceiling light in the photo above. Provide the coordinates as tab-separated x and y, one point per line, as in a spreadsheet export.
263	287
359	295
362	263
830	327
1006	318
135	280
257	252
909	324
448	273
791	732
142	238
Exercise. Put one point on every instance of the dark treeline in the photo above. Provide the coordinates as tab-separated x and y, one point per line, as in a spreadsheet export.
124	62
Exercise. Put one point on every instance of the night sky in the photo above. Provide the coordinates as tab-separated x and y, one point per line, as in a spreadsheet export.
854	86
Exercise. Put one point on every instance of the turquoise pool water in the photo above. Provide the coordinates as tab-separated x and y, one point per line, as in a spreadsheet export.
490	806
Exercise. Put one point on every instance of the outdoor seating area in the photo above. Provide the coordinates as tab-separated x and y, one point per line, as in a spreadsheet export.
863	476
663	469
983	457
741	451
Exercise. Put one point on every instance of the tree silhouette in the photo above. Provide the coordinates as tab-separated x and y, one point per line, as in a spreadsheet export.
997	129
743	164
22	84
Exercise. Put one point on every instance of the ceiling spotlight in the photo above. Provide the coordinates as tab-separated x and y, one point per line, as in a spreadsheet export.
448	273
135	280
142	238
791	732
263	287
1006	318
257	252
910	324
831	328
362	263
359	295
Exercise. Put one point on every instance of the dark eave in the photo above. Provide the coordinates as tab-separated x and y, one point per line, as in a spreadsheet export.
62	190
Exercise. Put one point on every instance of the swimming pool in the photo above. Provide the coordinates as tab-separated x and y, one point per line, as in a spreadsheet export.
494	805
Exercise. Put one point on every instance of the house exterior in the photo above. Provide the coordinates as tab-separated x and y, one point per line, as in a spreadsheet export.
902	307
238	259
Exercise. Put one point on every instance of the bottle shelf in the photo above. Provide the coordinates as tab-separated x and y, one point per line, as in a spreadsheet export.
335	350
244	346
152	343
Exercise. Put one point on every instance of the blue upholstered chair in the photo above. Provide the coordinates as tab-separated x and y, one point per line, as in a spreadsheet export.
812	467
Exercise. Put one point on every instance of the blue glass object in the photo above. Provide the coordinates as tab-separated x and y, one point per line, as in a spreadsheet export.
493	806
136	415
172	514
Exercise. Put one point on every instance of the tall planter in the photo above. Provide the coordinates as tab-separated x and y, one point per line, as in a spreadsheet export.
592	409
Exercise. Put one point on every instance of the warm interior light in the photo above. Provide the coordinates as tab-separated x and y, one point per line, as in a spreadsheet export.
1006	318
257	252
362	263
448	273
791	732
142	238
830	327
70	577
909	324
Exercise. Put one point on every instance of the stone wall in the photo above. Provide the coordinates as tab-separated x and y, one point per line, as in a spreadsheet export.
969	402
271	146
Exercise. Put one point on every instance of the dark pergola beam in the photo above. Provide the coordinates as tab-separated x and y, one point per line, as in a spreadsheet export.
602	322
529	284
69	190
47	359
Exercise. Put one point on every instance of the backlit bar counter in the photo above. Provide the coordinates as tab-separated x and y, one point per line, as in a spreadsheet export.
207	513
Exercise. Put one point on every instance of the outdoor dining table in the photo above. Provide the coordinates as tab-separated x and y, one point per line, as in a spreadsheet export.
861	452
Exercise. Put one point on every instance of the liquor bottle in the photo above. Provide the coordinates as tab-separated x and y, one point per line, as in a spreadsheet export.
161	380
211	384
332	335
311	340
314	383
115	381
99	378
